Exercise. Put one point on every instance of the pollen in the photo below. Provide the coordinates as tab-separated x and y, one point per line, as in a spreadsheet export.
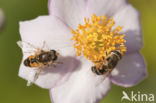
96	38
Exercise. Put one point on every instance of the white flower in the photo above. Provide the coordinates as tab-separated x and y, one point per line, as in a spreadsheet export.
73	81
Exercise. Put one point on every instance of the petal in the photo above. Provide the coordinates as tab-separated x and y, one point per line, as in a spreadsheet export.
71	12
48	29
57	36
129	18
1	18
49	10
130	70
105	7
83	87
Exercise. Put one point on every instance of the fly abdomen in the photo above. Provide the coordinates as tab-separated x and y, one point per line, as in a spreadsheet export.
113	59
99	71
44	57
54	55
117	53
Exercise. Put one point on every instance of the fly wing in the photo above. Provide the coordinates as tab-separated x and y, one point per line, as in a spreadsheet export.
20	44
34	76
27	47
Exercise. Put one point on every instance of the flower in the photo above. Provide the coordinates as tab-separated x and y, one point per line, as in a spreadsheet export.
96	39
1	19
73	81
83	86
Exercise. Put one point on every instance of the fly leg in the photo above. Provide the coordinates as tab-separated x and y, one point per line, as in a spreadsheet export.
55	63
36	75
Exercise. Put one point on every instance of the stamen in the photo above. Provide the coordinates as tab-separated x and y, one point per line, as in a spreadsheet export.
96	38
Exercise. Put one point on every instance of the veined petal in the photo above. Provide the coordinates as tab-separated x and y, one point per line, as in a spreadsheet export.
71	12
129	18
49	29
130	70
56	36
83	87
105	7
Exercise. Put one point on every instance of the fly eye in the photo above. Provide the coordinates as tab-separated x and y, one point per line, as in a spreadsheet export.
26	62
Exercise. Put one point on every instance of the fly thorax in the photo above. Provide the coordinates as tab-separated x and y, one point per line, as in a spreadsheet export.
45	57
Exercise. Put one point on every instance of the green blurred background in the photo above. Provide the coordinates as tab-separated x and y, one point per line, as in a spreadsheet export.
14	90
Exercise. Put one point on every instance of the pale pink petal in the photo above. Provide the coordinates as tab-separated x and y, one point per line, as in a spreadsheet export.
57	36
105	7
129	18
83	86
49	10
71	12
1	18
48	29
130	70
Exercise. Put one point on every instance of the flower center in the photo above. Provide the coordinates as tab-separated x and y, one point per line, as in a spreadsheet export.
96	38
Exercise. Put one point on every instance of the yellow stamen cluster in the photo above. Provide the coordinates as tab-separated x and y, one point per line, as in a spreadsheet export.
96	39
